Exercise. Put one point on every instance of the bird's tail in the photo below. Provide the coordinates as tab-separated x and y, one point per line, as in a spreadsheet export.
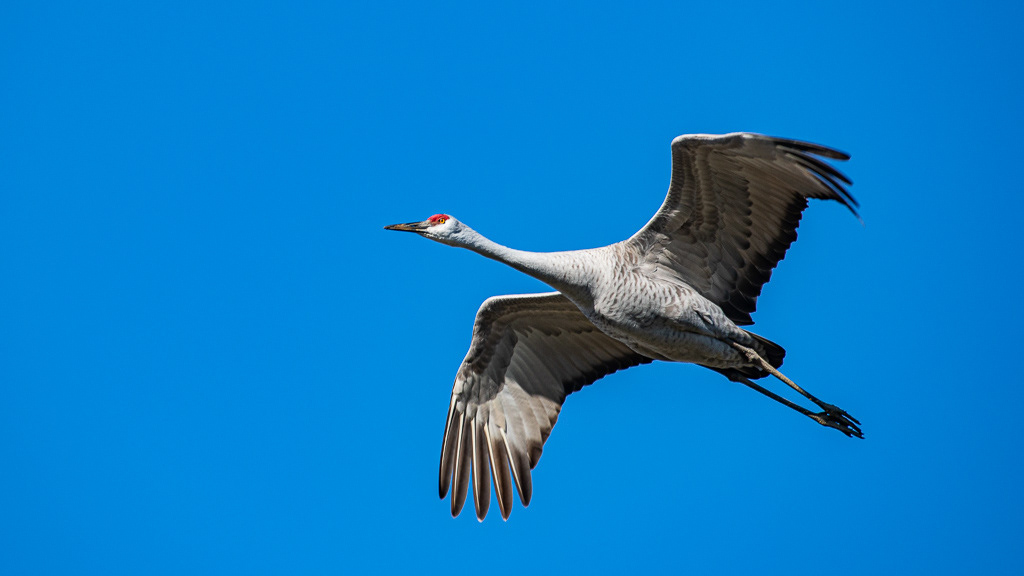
768	350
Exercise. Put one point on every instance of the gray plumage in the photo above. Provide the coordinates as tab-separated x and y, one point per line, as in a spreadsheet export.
678	290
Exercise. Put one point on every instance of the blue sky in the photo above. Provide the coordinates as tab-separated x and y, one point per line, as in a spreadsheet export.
213	359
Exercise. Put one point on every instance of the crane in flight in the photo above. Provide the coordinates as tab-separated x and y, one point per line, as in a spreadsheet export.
678	290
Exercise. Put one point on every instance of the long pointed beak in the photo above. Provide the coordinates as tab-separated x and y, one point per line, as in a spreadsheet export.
410	227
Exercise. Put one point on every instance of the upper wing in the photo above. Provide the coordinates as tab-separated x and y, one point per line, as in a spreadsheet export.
732	210
528	353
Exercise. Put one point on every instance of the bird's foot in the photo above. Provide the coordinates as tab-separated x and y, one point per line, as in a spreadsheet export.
835	417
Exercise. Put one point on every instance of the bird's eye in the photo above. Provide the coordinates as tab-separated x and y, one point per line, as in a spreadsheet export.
441	220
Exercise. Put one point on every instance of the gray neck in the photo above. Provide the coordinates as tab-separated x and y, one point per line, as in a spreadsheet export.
566	272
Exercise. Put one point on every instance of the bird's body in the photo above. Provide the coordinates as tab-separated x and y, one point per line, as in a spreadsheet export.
659	317
678	290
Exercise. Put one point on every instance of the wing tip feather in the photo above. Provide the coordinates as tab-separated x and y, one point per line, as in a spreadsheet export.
500	473
481	472
460	476
445	472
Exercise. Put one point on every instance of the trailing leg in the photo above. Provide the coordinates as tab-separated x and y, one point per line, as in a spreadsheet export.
837	419
832	416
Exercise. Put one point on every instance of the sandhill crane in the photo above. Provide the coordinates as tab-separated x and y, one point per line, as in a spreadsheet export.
678	290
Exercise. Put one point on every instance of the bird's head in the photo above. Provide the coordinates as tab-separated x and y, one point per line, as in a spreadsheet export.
439	227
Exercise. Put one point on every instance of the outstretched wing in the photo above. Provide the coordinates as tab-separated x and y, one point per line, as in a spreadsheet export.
732	210
528	353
